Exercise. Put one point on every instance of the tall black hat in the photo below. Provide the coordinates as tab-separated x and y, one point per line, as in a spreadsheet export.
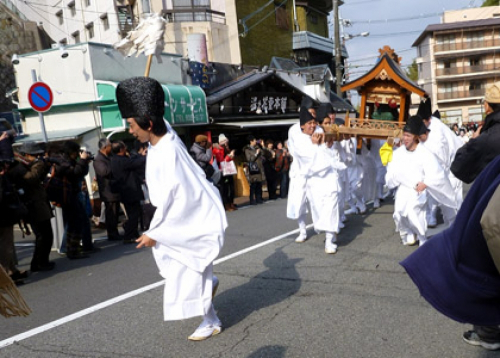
323	111
414	125
425	108
305	116
140	97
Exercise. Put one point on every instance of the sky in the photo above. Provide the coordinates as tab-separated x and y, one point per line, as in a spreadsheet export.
396	23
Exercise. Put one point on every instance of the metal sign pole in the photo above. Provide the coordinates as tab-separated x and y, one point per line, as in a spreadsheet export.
40	114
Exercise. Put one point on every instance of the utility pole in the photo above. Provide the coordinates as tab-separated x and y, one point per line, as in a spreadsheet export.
338	48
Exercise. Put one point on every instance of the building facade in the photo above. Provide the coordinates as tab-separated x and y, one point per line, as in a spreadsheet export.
17	35
457	59
76	21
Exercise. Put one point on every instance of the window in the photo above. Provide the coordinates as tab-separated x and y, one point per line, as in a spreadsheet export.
90	30
282	18
125	16
453	116
449	87
475	37
87	2
474	61
72	8
188	10
76	36
105	21
60	17
475	114
475	85
446	39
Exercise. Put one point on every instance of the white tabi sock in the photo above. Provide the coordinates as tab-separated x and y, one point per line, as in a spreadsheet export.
210	319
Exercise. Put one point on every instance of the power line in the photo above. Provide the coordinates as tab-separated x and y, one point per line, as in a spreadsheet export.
384	21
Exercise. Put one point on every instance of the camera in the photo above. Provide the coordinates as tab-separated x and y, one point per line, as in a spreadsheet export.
90	156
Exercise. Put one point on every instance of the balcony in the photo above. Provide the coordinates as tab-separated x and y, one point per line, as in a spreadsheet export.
466	45
466	70
460	95
194	14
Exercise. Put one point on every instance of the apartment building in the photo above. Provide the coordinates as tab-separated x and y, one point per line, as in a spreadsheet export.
75	21
251	32
457	59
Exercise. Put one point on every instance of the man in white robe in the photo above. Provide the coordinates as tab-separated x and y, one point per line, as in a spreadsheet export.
312	170
443	143
416	174
380	169
187	230
355	174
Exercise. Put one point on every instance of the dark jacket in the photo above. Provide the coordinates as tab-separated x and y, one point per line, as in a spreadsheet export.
473	157
6	217
454	270
201	155
252	156
73	170
102	167
282	164
126	181
29	178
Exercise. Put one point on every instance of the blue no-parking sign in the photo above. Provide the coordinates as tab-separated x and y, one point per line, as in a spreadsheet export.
40	97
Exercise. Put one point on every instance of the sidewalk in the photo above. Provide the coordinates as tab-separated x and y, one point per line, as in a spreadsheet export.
100	233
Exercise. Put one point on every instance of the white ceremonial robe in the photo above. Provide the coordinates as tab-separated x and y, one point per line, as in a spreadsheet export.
354	174
322	190
404	172
369	183
343	178
444	143
314	174
299	170
188	226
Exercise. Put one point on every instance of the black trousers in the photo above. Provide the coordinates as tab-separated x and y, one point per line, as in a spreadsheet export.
73	213
256	192
227	192
112	212
43	242
133	212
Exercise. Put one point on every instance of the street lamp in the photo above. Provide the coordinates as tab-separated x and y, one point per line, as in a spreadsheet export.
16	59
350	36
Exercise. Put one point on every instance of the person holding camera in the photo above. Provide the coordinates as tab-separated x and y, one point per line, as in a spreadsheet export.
71	170
102	168
256	175
9	200
29	173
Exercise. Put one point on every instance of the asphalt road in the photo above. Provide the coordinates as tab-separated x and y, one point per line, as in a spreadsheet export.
282	299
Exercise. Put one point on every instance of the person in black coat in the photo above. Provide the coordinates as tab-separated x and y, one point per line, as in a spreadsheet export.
8	218
484	145
29	174
126	182
102	168
71	170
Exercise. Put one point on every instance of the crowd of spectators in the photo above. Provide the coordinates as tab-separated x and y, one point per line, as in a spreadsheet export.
35	179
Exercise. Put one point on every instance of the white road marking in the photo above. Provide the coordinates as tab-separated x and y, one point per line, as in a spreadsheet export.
112	301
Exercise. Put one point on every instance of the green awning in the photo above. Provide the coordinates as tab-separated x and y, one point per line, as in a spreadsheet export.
184	105
110	115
